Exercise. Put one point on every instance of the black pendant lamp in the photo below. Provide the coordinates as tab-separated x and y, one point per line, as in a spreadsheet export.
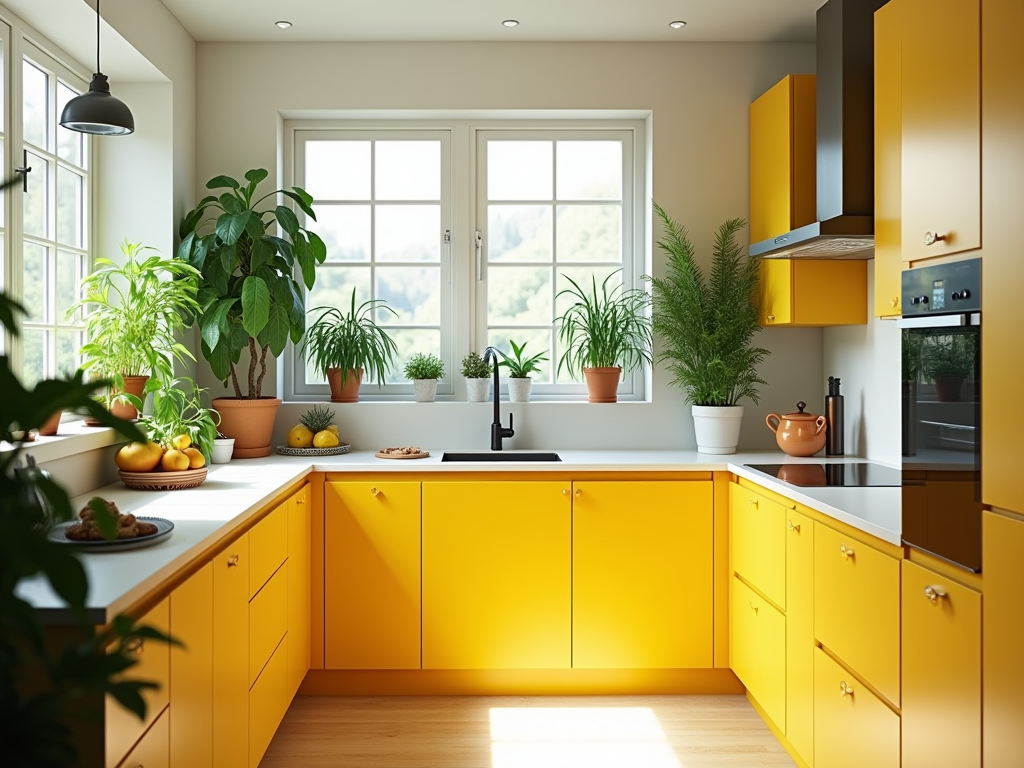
97	111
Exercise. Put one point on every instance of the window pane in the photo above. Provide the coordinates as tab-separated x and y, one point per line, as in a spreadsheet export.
33	350
70	216
68	344
410	341
35	198
345	230
408	233
34	292
589	233
584	277
519	233
589	170
69	143
408	170
3	193
536	339
34	88
519	295
333	288
413	292
70	270
519	170
338	170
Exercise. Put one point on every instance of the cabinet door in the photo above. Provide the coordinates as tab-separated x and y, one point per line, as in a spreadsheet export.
191	691
497	575
800	634
231	655
268	547
267	703
757	649
152	750
776	287
941	126
642	575
299	581
373	575
888	160
941	671
757	527
814	292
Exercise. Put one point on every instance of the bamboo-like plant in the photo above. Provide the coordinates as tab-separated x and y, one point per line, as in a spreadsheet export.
606	329
351	340
518	364
707	327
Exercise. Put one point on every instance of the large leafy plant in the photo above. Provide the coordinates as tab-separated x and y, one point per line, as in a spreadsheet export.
248	295
707	327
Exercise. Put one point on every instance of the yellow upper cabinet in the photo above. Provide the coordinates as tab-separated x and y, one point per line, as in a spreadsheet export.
642	574
888	160
813	292
782	158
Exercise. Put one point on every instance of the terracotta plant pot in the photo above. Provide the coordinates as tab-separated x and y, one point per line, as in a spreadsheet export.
133	385
349	393
602	384
949	389
50	427
250	422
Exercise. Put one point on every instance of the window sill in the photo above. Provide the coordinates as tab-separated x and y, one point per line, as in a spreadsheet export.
74	438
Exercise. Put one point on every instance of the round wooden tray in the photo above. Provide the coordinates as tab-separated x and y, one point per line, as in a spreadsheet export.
420	455
163	481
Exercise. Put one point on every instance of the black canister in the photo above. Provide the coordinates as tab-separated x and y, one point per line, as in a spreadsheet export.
834	418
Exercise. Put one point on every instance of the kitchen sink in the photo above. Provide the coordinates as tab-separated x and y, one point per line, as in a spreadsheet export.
500	456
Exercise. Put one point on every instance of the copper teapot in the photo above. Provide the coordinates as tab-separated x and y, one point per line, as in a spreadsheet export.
798	434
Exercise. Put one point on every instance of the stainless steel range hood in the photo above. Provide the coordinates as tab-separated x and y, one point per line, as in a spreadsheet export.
845	143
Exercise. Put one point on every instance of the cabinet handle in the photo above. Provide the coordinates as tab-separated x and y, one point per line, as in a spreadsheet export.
136	645
753	502
844	689
565	491
933	592
753	608
793	526
374	491
300	501
931	238
579	492
846	552
894	302
232	561
771	318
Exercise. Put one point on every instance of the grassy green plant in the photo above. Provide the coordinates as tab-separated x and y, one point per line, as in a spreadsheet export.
707	327
474	367
351	340
519	366
424	366
604	329
178	410
317	418
248	296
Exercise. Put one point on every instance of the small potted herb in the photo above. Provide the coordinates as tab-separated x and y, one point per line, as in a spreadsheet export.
519	369
478	375
424	369
223	447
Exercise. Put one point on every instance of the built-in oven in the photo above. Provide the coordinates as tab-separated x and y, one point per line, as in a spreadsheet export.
941	393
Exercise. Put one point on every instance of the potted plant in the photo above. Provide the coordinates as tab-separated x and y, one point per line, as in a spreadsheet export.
519	370
707	329
478	374
249	299
132	311
602	333
424	369
181	423
342	345
948	363
223	447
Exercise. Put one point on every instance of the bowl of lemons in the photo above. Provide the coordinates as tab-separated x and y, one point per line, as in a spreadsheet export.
314	435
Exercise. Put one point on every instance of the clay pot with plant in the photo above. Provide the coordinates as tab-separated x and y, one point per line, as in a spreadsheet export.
424	370
520	366
249	299
477	373
949	362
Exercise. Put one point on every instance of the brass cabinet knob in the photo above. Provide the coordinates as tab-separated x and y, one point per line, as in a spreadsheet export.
844	689
579	492
771	318
933	592
753	502
753	608
565	491
846	551
931	238
300	501
894	302
793	526
374	491
232	561
136	645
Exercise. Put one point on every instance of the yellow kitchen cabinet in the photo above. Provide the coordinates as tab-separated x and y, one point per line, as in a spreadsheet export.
941	707
268	547
941	126
231	655
857	609
783	180
758	542
153	749
888	160
757	649
800	634
372	590
497	575
268	702
268	621
191	689
299	583
853	728
642	591
813	292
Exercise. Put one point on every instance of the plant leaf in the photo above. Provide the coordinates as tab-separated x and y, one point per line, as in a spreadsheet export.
255	305
287	219
218	182
230	226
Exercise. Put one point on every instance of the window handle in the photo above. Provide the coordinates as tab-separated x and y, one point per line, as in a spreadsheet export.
479	239
25	169
447	238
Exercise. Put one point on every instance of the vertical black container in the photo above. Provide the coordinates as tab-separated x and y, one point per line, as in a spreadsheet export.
835	427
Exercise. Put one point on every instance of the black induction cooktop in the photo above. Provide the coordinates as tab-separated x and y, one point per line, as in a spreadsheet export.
861	474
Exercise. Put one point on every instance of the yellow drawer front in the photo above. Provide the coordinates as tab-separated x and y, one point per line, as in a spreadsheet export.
800	634
268	621
857	607
230	661
757	527
153	750
852	727
268	547
268	701
758	650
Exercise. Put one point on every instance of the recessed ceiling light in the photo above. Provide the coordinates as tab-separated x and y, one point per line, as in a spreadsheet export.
282	24
677	24
510	23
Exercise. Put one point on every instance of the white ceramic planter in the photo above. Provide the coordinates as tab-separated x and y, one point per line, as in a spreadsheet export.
519	390
477	390
222	450
426	390
717	428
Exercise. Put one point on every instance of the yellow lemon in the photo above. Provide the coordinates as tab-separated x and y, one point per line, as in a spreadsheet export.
196	460
325	439
174	461
300	436
138	457
333	429
181	442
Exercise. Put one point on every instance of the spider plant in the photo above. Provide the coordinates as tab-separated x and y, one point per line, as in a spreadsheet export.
519	366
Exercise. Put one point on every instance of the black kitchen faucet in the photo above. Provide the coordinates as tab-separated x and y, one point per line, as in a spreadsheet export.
498	432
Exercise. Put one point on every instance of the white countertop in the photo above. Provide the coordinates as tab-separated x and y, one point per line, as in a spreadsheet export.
234	492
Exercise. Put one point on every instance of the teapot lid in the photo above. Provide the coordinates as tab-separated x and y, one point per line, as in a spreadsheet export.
799	415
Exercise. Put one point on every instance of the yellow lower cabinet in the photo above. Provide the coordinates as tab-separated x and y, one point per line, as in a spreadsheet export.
268	547
853	728
642	575
800	634
191	691
268	621
152	751
757	650
268	701
941	671
757	531
231	655
299	584
497	575
372	589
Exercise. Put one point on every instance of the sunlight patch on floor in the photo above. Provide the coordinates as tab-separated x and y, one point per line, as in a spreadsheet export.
578	737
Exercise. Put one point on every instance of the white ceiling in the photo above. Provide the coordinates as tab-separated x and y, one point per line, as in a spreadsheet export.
563	20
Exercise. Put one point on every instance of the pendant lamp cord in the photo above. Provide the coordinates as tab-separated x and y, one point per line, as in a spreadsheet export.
97	36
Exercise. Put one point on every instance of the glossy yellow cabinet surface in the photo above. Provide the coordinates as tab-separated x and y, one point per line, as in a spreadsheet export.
757	650
888	160
153	750
231	655
299	583
800	634
642	574
268	701
757	529
268	621
191	690
268	547
373	575
941	671
497	575
813	292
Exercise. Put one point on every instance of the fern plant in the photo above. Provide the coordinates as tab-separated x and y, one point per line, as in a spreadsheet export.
707	327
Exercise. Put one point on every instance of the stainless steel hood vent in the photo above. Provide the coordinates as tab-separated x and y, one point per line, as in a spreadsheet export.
845	140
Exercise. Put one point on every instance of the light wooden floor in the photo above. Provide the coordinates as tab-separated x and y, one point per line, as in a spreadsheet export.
524	732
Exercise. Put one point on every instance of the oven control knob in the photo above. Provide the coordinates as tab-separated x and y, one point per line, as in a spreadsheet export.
964	294
919	300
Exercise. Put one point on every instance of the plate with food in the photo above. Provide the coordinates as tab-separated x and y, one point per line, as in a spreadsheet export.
132	532
402	452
